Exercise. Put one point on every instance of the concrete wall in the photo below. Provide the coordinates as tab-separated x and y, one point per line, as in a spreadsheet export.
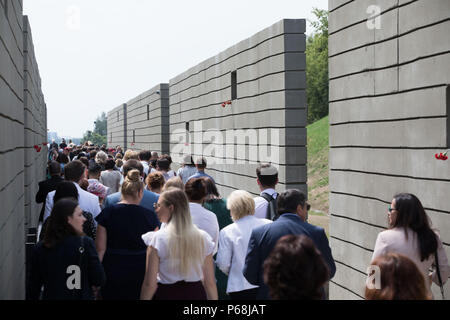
389	115
116	126
35	122
148	120
22	121
265	121
269	108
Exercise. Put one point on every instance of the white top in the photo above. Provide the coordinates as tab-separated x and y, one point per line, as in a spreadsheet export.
168	274
261	204
169	174
186	172
205	220
233	245
394	240
146	167
87	201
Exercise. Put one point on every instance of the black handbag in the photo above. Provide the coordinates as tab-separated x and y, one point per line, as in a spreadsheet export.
439	275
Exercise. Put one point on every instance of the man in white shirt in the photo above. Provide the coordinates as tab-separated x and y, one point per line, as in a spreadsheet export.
75	172
144	158
267	179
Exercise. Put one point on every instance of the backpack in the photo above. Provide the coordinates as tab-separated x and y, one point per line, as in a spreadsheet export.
271	213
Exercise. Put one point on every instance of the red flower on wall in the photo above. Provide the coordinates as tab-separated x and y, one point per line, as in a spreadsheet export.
223	105
44	143
36	147
228	102
441	156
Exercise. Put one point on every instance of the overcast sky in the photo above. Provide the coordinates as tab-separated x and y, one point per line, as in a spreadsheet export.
94	55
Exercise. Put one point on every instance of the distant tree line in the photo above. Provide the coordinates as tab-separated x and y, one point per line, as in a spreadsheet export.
98	136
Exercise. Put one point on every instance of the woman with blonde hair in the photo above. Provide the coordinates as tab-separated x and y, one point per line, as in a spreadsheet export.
233	244
180	264
130	154
174	182
119	242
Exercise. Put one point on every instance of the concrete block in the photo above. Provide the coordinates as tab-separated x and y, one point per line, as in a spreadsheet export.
350	254
294	42
414	163
370	211
337	292
336	4
344	229
430	192
294	25
426	72
348	278
356	11
408	133
421	13
402	105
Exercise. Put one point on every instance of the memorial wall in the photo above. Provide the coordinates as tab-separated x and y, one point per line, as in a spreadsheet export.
389	115
243	106
23	130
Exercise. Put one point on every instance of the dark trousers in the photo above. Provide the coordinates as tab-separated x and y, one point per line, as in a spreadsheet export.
181	290
249	294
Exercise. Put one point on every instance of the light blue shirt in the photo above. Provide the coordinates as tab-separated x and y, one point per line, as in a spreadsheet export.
148	200
200	175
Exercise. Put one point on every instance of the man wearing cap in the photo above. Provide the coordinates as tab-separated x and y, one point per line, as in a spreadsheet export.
267	179
201	166
187	169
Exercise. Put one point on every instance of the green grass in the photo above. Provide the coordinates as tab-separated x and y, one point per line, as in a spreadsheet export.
318	164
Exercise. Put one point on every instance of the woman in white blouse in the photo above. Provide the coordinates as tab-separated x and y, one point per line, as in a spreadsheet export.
179	258
410	234
233	244
204	219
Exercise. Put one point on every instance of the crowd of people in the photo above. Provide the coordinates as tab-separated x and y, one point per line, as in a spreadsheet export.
124	226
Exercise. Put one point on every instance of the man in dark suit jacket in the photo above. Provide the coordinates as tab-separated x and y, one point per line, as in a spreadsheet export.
293	211
49	185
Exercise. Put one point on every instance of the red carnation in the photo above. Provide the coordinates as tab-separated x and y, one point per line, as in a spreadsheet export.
229	102
38	149
441	156
44	143
223	105
35	146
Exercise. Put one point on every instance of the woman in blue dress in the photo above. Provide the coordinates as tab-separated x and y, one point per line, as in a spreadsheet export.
119	243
